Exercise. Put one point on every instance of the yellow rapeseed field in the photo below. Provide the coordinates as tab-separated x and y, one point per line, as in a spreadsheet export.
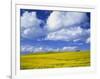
55	60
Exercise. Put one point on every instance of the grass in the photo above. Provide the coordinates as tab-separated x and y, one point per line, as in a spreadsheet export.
55	60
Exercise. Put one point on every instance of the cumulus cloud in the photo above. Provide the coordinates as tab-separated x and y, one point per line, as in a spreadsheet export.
70	34
58	20
59	26
54	22
67	26
29	19
30	25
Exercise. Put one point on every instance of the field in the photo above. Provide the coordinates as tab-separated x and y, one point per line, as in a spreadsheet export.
55	60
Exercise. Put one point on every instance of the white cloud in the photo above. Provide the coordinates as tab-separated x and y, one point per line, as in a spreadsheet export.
70	48
27	48
74	18
69	34
30	25
88	40
33	49
58	20
54	21
76	40
60	26
29	19
66	26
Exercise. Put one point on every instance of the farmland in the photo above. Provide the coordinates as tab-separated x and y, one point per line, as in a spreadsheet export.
55	60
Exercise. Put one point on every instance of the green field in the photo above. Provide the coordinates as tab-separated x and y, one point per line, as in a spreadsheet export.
55	60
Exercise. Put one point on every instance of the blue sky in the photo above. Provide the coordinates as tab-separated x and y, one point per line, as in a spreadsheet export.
47	30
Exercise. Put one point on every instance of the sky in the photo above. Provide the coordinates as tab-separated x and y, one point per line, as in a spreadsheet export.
47	30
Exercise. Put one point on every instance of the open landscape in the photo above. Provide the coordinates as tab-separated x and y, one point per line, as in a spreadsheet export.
55	60
54	39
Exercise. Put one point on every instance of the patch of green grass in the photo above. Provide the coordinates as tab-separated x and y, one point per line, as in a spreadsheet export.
55	60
